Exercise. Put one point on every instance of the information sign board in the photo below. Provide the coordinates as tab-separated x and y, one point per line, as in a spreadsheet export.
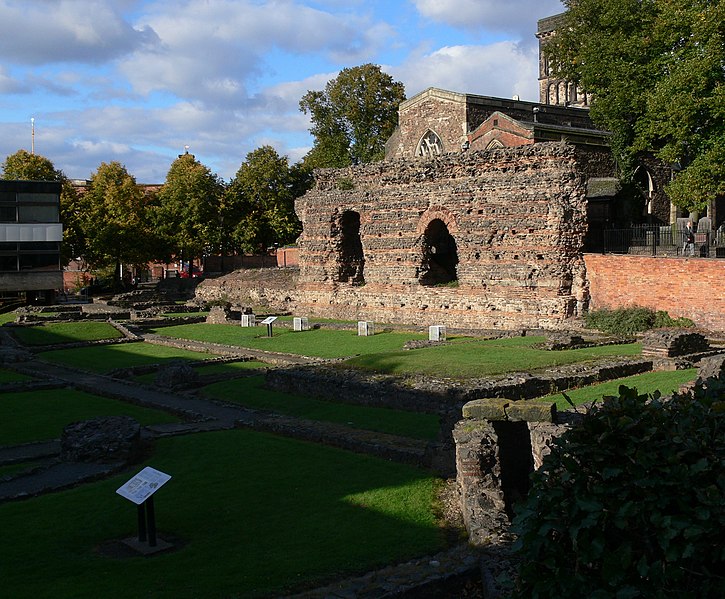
143	485
269	320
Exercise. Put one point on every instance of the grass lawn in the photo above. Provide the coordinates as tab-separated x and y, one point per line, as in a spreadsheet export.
65	332
29	416
183	314
10	376
258	513
13	469
104	358
230	368
250	392
323	343
484	358
649	382
7	317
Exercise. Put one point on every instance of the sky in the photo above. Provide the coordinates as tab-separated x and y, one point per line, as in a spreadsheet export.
136	81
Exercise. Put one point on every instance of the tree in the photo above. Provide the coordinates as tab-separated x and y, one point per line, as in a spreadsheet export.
352	117
32	167
115	220
655	71
259	202
187	215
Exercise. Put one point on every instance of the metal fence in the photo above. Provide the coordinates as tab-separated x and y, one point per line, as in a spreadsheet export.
653	240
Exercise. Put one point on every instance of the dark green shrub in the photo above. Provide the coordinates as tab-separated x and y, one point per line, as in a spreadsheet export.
628	321
630	504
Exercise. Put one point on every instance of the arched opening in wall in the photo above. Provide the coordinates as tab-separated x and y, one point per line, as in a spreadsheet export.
350	257
440	255
494	144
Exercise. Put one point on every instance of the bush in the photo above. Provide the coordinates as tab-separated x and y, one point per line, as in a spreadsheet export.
628	321
630	504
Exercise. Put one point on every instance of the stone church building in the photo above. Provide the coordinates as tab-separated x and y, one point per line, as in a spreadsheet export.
478	217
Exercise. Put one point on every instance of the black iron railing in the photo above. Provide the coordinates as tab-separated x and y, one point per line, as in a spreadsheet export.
669	240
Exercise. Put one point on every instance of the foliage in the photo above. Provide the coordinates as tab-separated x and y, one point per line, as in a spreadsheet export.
630	504
352	117
655	70
258	207
33	167
115	220
628	321
187	213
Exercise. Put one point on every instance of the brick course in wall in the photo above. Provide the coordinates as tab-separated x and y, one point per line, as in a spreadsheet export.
689	287
517	216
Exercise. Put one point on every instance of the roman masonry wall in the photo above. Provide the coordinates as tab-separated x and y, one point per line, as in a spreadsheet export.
481	239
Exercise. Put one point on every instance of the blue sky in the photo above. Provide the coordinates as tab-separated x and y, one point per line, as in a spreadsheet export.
137	80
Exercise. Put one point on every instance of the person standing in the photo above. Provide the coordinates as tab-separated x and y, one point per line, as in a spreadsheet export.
689	243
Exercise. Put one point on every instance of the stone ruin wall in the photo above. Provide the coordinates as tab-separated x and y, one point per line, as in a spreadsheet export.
518	218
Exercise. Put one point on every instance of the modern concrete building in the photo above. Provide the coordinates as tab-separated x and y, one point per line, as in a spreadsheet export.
30	236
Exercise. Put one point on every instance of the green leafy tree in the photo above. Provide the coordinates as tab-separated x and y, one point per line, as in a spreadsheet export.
655	70
32	167
115	220
259	202
352	117
630	503
188	210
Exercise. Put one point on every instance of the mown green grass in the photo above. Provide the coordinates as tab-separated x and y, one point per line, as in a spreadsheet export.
251	393
10	470
30	416
323	343
258	515
7	317
9	376
648	382
183	314
65	332
104	358
227	368
484	358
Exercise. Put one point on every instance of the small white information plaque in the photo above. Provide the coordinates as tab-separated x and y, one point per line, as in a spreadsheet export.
143	485
269	320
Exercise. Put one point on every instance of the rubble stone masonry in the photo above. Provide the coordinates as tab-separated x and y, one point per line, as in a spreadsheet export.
481	239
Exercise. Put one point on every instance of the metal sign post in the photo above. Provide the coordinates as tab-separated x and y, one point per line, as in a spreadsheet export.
140	490
268	321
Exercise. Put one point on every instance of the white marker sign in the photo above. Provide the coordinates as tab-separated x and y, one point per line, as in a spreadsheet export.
143	485
269	320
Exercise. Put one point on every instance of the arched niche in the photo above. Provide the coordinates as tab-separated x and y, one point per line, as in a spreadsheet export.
439	255
350	257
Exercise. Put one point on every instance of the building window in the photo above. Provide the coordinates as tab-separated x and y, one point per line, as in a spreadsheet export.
429	145
440	255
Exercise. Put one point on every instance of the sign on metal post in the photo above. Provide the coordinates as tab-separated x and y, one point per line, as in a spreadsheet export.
268	321
140	490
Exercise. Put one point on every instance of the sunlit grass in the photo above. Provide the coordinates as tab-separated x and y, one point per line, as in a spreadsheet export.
9	376
666	382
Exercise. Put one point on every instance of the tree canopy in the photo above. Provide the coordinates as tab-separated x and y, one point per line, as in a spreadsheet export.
259	202
656	71
115	220
353	116
187	215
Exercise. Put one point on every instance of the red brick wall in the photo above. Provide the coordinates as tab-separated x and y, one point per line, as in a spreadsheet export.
690	287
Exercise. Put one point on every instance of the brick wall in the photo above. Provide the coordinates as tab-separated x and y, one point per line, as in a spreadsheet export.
689	287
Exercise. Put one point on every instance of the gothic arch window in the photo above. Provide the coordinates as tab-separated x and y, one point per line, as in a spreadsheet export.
494	144
440	255
645	184
350	257
429	145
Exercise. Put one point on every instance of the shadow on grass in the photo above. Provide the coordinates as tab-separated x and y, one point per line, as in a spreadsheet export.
259	514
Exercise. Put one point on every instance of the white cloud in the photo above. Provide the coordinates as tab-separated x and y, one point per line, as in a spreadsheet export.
514	16
503	69
42	32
